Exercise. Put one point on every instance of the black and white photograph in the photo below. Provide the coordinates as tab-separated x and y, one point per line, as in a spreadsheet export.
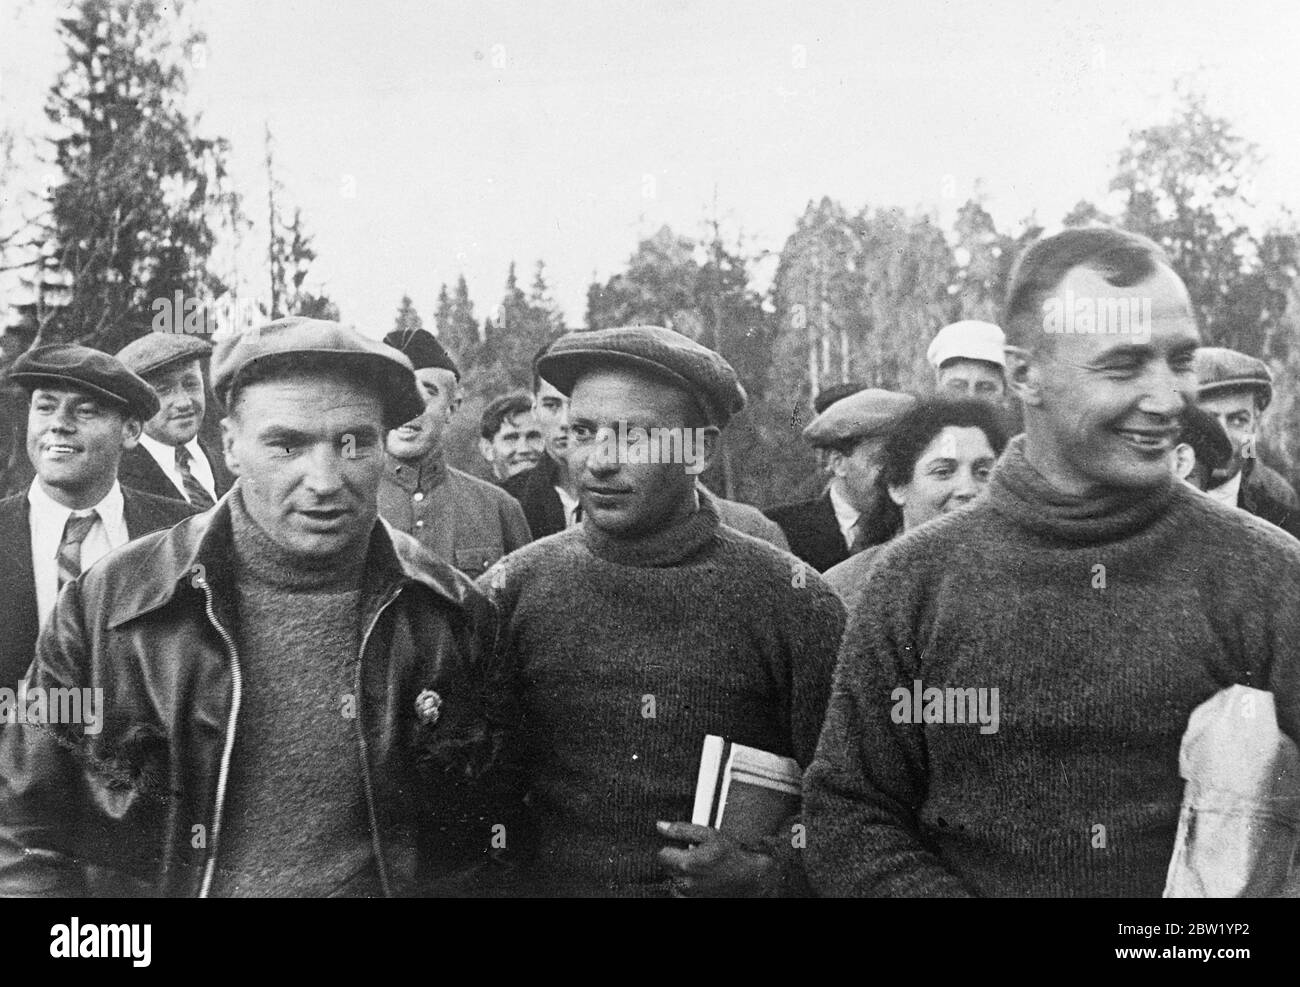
664	449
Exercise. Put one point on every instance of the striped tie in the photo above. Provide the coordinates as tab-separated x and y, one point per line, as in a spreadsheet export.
194	491
74	533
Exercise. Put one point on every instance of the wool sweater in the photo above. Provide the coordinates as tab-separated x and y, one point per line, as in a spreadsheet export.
295	822
625	653
1103	622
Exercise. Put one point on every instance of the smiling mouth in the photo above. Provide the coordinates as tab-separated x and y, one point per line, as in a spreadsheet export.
61	450
1148	440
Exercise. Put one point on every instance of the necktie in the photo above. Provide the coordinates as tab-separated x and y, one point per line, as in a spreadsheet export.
859	534
194	491
69	555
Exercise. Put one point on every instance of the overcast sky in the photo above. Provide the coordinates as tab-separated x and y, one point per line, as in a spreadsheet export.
424	139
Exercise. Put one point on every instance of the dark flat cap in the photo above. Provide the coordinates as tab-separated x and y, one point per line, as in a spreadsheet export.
422	349
661	352
281	345
859	416
1206	437
1219	370
158	350
80	367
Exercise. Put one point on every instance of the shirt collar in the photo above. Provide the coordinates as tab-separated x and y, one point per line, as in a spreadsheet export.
165	453
1226	493
47	508
846	515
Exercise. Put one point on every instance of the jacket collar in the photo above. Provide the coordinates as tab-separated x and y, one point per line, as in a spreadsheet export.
199	549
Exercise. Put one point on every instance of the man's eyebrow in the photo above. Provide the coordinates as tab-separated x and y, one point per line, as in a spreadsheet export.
1129	351
283	435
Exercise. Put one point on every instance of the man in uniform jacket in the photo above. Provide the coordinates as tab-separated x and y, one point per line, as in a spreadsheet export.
171	460
458	517
294	694
850	433
84	409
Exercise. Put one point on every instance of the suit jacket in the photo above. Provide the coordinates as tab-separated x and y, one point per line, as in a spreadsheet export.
812	531
141	471
534	488
1265	493
18	632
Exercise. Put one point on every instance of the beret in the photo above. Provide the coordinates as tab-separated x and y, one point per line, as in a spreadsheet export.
859	416
1206	437
80	367
826	398
156	350
422	349
653	349
1219	370
285	341
969	339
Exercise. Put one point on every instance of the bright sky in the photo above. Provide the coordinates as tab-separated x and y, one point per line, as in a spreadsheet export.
425	139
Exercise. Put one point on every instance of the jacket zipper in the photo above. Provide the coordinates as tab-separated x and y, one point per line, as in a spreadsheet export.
365	753
224	773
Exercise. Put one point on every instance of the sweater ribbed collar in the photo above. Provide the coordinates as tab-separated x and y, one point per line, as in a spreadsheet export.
1019	491
659	549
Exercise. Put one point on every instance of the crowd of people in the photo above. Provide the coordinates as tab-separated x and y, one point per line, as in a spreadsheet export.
319	661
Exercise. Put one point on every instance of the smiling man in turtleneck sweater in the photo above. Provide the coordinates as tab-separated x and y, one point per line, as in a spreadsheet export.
648	626
1103	599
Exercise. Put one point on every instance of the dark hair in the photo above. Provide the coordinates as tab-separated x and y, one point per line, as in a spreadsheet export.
499	409
835	392
1122	258
909	437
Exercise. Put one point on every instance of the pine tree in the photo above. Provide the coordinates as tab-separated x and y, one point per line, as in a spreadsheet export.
408	319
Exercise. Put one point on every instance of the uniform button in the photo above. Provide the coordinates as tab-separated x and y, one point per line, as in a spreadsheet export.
419	524
417	496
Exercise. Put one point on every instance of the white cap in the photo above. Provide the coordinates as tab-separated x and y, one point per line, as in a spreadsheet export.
969	339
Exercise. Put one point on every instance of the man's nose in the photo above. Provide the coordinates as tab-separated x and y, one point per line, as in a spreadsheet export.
1167	393
324	469
65	420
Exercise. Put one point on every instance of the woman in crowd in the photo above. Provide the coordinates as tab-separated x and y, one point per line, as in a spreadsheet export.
937	458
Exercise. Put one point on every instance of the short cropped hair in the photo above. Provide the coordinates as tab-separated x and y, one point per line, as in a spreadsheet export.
1122	258
500	409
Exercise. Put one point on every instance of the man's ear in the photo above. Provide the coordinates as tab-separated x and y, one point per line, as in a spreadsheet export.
228	445
485	448
131	429
835	462
896	495
1023	375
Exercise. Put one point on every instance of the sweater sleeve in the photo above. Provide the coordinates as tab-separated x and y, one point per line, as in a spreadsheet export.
869	775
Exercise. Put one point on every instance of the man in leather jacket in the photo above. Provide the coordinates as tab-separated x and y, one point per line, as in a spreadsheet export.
293	696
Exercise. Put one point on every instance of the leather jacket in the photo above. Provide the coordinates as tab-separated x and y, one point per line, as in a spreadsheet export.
140	799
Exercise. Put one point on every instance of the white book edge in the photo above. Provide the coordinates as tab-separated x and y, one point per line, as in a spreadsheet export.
707	783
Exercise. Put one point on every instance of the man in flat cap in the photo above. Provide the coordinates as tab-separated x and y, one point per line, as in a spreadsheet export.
632	636
1236	389
294	692
1013	691
171	460
458	517
84	409
968	360
548	492
850	433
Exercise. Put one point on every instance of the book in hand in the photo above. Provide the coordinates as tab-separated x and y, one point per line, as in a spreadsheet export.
745	792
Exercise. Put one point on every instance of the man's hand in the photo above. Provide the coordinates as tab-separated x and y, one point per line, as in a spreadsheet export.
714	865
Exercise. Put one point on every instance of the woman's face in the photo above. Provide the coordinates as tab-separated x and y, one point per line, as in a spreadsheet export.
951	472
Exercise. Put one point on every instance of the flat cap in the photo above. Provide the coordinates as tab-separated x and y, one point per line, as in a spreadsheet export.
80	367
157	350
658	351
969	339
859	416
836	392
1219	370
422	349
1206	437
281	345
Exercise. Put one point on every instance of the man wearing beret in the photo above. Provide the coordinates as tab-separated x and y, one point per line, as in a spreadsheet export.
1236	389
294	693
650	625
1013	691
850	433
171	460
84	409
456	516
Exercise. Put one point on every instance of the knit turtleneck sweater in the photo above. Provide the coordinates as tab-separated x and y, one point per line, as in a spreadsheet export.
295	821
627	652
1102	622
